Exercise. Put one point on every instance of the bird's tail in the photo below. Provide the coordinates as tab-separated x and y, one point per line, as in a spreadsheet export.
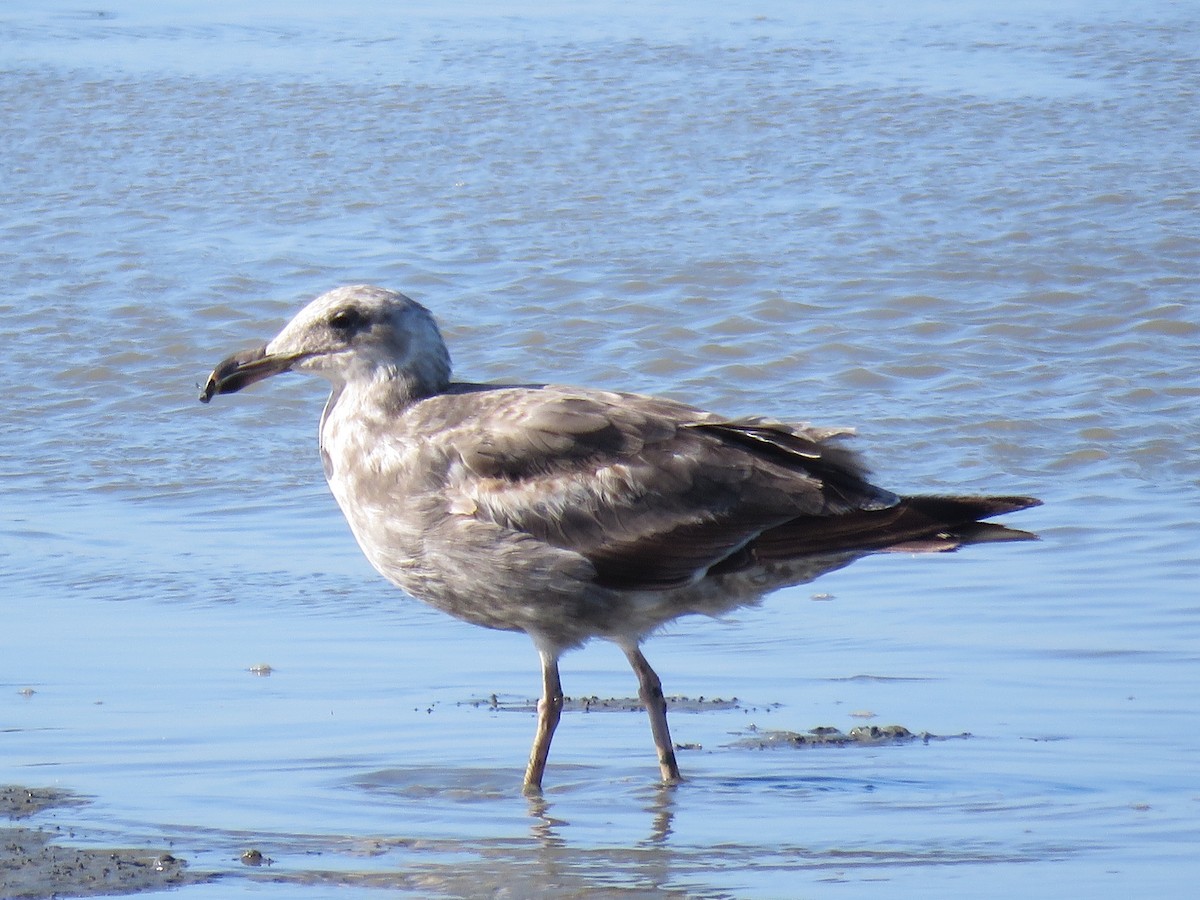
947	523
915	524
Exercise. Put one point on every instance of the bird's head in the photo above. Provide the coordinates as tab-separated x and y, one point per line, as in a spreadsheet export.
351	334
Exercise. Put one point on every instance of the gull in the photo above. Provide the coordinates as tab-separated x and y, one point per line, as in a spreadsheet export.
570	513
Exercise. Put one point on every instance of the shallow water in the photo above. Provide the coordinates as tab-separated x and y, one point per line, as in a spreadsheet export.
973	235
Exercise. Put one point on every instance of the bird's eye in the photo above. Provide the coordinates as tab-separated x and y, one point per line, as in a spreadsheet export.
346	320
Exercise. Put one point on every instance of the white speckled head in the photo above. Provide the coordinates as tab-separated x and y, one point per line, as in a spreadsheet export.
363	332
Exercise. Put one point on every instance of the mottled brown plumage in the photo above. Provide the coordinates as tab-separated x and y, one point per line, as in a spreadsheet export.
571	513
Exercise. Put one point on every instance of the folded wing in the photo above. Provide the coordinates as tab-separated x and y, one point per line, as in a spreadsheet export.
655	494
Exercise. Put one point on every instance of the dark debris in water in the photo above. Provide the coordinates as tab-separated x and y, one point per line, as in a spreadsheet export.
827	736
253	857
614	704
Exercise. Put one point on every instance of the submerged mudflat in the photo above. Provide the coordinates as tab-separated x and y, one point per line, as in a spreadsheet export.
33	864
60	860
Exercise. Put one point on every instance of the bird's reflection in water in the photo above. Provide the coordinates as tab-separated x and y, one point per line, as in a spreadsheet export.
545	828
649	862
662	810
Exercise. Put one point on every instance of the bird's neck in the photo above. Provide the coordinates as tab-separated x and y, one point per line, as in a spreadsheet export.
358	410
380	398
394	387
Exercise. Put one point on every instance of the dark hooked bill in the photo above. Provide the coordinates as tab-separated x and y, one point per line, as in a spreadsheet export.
241	369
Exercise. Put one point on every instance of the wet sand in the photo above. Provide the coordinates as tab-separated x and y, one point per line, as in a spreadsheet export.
32	865
610	704
829	736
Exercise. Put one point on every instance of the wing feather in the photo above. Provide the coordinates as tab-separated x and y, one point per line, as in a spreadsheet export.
651	492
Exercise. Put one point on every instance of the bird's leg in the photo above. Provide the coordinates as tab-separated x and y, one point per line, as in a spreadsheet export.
549	709
651	694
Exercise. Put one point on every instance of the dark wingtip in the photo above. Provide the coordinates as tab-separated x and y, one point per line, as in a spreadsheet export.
1013	504
961	518
954	510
